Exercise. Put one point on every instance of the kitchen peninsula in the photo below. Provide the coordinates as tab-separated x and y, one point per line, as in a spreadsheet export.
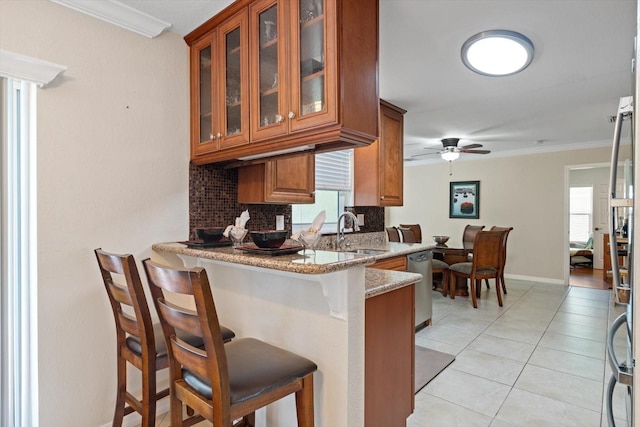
326	306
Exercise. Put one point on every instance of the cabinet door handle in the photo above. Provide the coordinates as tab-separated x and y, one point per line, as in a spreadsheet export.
292	115
219	135
279	118
381	197
211	137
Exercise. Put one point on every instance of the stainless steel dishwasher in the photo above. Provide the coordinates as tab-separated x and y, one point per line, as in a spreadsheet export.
420	262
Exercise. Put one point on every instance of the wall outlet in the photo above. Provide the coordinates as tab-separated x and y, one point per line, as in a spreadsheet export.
360	219
279	222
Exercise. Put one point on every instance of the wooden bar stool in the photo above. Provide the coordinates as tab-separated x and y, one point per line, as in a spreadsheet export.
139	341
225	382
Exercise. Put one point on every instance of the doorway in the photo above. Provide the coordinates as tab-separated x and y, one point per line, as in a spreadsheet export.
587	213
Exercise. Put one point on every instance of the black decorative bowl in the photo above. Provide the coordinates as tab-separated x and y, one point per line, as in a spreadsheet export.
209	235
269	238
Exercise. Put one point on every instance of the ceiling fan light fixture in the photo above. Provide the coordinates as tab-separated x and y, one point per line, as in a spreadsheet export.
497	53
449	156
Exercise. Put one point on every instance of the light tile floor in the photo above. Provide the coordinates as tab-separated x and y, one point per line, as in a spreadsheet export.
540	360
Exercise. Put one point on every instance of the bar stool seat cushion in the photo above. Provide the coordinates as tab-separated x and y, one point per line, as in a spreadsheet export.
255	368
133	343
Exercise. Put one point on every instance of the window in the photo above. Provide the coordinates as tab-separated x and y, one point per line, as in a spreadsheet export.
580	214
333	191
19	76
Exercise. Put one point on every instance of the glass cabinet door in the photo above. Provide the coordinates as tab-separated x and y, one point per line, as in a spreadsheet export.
311	57
234	126
203	88
206	124
314	79
268	85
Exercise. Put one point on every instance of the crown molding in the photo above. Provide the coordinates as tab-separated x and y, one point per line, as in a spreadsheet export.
21	67
119	14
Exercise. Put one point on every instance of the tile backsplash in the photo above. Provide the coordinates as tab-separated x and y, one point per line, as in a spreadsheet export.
213	202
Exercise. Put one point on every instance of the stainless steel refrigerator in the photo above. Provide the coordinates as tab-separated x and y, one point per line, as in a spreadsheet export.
622	193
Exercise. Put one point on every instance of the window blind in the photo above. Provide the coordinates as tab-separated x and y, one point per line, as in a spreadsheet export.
333	170
580	212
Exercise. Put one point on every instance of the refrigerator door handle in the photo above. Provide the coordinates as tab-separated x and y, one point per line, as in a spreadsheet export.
622	374
625	109
610	387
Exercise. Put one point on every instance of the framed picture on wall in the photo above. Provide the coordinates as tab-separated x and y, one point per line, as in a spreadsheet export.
464	199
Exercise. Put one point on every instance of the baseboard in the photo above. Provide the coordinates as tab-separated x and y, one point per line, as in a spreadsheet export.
536	279
134	419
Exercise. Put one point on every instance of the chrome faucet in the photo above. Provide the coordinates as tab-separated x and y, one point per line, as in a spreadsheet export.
340	232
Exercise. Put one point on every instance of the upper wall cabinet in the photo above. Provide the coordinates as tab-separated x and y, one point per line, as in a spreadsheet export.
219	97
270	77
282	181
378	168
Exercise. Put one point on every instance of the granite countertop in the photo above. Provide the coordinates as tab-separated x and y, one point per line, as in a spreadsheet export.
378	281
320	262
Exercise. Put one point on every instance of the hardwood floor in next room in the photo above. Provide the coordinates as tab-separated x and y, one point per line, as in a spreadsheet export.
587	277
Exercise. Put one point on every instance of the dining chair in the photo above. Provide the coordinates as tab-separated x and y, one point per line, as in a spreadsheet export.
417	231
222	382
393	235
469	235
486	262
505	236
407	235
139	341
441	267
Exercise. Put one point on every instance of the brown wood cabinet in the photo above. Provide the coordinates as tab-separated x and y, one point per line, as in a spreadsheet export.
286	180
398	263
271	76
389	358
378	168
219	101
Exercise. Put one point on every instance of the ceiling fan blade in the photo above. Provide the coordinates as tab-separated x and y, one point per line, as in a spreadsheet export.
426	154
475	151
471	146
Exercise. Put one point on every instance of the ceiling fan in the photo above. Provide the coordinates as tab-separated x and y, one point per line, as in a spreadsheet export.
450	150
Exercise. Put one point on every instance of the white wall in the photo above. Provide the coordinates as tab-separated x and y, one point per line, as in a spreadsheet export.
112	172
524	192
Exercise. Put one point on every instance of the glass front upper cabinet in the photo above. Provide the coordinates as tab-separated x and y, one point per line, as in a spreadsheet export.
203	94
234	124
313	78
206	118
312	84
269	91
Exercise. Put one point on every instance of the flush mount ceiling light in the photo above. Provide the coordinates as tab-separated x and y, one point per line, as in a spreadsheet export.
497	53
